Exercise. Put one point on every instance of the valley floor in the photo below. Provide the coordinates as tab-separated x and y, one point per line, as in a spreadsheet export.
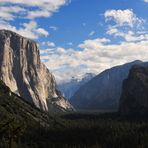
83	131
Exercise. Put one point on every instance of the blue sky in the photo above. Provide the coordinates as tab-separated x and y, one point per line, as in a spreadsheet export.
81	36
71	19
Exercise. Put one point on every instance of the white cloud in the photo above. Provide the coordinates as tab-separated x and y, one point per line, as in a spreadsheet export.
146	1
131	36
135	34
38	13
29	10
39	3
54	28
35	8
123	17
96	55
30	30
42	31
49	44
112	31
128	26
11	12
91	33
96	42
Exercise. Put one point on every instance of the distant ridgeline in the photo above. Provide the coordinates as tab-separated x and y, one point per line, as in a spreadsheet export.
103	91
68	88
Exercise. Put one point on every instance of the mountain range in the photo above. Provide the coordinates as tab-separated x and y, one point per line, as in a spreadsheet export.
103	91
23	73
68	88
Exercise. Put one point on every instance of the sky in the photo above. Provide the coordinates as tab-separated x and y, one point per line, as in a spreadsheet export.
81	36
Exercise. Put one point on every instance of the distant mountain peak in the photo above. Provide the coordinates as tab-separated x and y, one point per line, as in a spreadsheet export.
68	88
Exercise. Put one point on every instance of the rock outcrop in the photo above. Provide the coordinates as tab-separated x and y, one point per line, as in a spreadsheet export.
22	71
134	98
14	108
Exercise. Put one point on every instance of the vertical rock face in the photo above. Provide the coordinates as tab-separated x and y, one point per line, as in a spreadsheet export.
134	98
22	71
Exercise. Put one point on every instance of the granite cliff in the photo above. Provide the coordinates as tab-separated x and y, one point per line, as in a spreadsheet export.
22	71
134	97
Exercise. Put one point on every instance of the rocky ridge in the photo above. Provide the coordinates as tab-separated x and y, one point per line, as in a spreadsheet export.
134	97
